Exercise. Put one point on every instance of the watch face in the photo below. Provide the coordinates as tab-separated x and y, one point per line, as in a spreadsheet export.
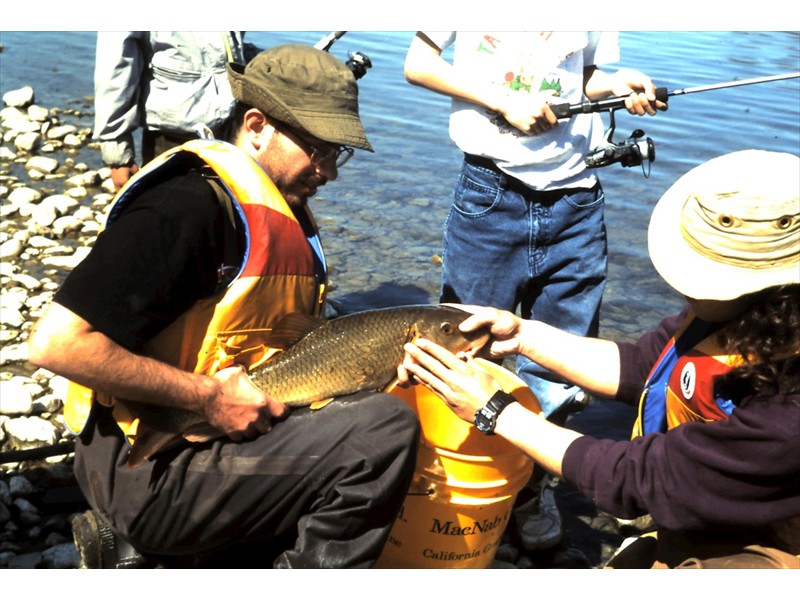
484	420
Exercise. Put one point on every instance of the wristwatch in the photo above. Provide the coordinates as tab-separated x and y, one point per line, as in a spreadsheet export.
486	417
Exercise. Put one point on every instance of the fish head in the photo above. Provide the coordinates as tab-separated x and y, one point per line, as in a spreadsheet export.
441	326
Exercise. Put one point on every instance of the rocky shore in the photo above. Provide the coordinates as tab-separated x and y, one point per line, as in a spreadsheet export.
53	206
55	197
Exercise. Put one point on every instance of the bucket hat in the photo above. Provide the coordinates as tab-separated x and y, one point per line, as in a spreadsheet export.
306	88
730	226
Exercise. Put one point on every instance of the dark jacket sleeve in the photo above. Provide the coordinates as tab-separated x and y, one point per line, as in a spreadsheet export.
637	359
741	472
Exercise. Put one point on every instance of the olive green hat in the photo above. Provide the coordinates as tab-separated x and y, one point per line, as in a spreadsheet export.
305	88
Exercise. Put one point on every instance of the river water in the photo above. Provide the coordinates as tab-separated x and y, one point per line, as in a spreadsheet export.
382	220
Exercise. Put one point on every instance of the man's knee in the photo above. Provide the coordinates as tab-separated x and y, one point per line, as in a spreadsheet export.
390	416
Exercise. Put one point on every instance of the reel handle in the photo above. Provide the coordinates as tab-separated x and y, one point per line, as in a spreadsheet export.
564	111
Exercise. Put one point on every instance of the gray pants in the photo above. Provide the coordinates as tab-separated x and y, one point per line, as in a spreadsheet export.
322	489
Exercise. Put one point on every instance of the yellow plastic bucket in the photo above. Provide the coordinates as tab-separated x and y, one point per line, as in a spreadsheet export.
464	486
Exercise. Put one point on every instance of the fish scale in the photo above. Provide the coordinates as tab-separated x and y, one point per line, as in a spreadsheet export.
368	349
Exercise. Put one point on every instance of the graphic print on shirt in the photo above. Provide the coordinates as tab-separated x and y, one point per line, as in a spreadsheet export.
534	63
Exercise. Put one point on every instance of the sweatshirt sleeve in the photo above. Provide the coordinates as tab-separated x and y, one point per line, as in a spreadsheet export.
119	64
637	359
744	471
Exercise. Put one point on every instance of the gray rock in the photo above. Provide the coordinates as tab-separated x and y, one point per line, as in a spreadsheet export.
25	506
32	430
43	215
19	98
16	398
57	133
20	486
32	560
13	353
42	164
28	142
5	493
27	281
10	114
7	154
10	249
62	556
24	195
72	140
67	262
38	113
25	125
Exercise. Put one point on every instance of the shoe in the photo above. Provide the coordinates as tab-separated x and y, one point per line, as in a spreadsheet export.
539	521
101	547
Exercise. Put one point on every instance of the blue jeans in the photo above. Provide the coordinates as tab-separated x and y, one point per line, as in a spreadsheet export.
544	253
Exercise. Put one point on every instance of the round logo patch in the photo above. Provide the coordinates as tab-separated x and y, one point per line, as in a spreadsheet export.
688	379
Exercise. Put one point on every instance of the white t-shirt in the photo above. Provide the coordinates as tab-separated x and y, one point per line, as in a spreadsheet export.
530	63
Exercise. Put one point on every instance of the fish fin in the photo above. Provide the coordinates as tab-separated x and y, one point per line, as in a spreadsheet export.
392	384
320	403
149	442
413	334
291	329
201	432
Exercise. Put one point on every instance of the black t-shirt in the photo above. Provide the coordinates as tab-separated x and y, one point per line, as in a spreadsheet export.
148	267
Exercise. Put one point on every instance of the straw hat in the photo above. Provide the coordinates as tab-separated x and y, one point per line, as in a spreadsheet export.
730	226
305	88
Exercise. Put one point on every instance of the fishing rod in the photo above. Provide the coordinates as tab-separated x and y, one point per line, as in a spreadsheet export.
563	111
633	151
325	43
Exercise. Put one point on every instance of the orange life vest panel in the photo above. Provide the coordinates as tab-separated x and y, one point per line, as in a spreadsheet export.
282	271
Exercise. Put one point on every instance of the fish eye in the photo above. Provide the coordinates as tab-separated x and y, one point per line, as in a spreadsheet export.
447	328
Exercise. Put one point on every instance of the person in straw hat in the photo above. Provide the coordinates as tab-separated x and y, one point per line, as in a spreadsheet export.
206	249
715	453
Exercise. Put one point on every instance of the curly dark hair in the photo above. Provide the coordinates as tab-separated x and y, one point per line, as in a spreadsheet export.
767	335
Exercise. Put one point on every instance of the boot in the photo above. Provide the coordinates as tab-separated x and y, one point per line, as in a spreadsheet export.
101	547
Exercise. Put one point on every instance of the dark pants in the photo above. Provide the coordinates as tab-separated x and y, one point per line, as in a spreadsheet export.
322	489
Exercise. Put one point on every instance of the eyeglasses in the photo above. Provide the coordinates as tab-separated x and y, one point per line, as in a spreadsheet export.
318	156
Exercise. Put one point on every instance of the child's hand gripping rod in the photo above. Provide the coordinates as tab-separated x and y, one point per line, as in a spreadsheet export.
563	111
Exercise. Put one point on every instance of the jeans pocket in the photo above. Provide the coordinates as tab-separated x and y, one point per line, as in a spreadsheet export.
473	198
585	198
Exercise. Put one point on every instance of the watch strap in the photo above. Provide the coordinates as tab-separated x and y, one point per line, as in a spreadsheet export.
486	417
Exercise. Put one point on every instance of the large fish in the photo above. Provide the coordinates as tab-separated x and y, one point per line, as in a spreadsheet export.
321	360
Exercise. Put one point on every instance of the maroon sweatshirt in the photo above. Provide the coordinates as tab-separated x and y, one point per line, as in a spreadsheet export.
744	471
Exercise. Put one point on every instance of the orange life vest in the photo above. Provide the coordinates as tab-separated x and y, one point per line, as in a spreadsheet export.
282	271
683	385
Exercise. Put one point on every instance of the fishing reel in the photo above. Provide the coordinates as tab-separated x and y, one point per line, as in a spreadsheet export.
358	63
632	152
